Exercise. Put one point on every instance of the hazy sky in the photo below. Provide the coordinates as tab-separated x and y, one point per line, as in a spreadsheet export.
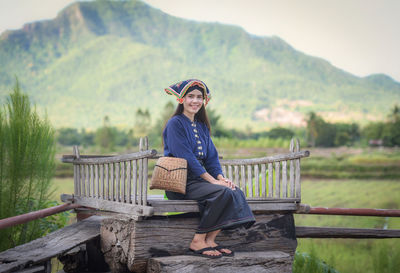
358	36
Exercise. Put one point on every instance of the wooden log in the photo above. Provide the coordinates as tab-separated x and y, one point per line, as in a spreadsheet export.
52	245
169	236
335	232
260	261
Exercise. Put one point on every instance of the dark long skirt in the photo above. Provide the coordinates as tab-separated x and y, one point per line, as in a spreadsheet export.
219	206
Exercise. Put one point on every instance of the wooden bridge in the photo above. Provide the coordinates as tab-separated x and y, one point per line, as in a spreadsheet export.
136	231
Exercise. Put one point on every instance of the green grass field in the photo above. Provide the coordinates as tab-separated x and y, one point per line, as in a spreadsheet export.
353	255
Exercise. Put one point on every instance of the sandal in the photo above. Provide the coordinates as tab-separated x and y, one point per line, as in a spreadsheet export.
201	254
219	248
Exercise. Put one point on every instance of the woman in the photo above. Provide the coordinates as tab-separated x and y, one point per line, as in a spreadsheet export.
187	135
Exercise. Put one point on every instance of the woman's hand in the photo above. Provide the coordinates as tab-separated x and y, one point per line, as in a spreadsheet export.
226	182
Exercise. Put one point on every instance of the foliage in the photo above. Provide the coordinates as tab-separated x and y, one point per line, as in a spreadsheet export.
26	166
324	134
309	263
121	54
388	132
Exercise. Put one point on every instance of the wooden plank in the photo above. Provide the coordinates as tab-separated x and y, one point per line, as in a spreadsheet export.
263	181
297	174
224	171
256	181
265	160
111	159
102	192
277	180
291	175
284	179
243	176
145	163
83	190
51	245
230	174
291	179
76	175
117	182
134	181
107	170
129	181
97	181
249	181
270	181
335	232
106	205
112	182
123	182
140	183
87	182
91	185
163	206
237	176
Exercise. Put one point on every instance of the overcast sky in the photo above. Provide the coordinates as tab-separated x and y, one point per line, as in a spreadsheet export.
358	36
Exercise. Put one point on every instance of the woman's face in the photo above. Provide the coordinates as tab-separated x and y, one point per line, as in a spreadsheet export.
192	102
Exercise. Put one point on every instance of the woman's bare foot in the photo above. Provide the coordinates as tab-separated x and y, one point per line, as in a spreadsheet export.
197	245
214	244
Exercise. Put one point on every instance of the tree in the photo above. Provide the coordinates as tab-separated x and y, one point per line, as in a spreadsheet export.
27	149
142	123
105	135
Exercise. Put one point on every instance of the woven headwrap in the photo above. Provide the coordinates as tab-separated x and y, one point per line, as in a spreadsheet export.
179	89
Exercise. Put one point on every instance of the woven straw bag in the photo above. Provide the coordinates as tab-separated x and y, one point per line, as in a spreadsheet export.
170	174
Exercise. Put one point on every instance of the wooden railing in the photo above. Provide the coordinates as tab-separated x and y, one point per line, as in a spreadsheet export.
267	177
112	182
120	183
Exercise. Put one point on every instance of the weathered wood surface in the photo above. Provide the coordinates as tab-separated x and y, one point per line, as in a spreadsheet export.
55	243
268	204
128	244
106	205
249	262
331	232
264	160
107	159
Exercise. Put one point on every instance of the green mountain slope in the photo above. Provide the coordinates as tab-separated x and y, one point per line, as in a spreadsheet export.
112	57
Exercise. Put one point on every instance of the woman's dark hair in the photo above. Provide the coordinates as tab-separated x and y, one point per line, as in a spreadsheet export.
201	115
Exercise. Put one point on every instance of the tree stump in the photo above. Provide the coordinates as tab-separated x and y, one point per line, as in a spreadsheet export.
128	244
249	262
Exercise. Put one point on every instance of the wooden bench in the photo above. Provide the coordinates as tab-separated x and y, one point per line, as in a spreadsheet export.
120	183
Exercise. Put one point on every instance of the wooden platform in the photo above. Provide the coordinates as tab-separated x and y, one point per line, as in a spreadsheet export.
35	254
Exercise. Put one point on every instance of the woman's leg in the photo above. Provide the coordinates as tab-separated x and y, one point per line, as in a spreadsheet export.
199	242
210	240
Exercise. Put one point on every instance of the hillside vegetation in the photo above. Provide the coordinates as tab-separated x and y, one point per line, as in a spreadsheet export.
112	57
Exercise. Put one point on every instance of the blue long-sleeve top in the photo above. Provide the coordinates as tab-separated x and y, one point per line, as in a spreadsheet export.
191	141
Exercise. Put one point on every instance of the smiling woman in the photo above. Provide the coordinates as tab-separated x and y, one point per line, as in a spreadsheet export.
221	204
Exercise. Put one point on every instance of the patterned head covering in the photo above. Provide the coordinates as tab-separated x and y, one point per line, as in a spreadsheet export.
180	89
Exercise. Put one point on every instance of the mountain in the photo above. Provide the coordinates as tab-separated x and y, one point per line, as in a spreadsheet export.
113	57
